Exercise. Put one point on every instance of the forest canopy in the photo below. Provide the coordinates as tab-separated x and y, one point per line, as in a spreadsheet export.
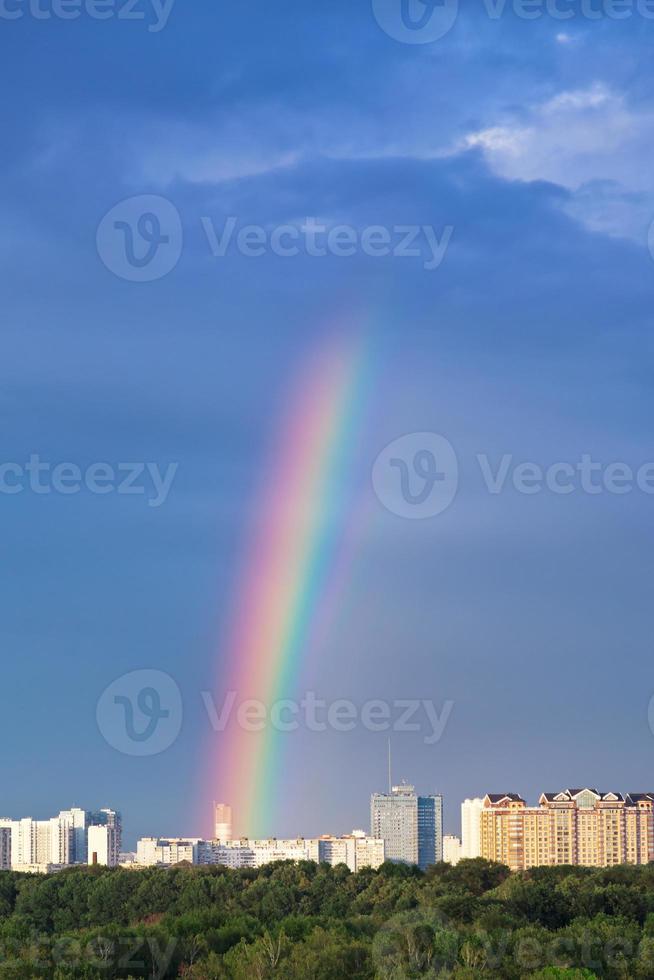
305	921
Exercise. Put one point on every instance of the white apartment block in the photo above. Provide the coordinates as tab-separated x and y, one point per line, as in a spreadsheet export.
39	843
355	850
103	846
471	811
166	851
60	841
112	820
222	818
451	849
74	820
255	853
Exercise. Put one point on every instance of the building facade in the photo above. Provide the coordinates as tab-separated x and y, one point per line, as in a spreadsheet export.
471	827
451	849
102	845
430	830
222	821
575	826
114	822
411	826
39	843
76	821
166	851
355	850
5	845
59	842
394	818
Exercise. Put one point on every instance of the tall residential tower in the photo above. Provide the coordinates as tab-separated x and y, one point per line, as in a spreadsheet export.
222	822
470	826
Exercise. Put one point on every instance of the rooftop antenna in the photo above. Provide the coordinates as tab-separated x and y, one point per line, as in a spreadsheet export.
390	782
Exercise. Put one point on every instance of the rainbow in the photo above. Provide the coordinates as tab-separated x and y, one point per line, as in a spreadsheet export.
291	567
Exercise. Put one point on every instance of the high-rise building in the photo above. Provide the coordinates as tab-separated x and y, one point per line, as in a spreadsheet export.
112	820
411	826
5	845
102	847
222	821
470	827
430	830
451	849
77	820
60	841
575	826
58	846
39	844
394	818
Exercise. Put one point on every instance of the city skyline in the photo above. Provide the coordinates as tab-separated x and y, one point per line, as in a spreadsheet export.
598	829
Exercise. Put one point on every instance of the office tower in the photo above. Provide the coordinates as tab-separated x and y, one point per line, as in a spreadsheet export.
470	825
411	826
5	845
430	830
451	849
222	821
575	826
394	818
102	847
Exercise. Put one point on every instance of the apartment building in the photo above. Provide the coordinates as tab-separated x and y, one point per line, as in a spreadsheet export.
102	846
451	849
470	827
5	845
222	821
356	850
574	826
166	851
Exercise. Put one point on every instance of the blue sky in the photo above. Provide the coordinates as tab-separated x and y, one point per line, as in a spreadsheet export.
532	613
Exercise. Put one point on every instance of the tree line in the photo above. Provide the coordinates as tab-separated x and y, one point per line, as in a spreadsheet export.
304	921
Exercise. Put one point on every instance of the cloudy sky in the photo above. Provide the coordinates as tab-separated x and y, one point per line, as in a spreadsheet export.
523	146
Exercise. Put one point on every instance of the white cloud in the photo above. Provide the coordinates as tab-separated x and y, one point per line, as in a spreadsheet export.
588	141
588	98
500	139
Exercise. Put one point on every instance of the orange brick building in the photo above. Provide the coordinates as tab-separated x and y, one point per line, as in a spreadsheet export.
575	826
